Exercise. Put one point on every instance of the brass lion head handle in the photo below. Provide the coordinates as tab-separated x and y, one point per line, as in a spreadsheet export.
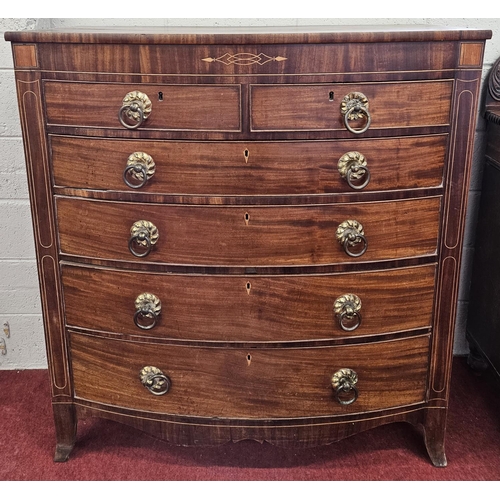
347	308
354	106
353	167
344	385
143	236
147	310
140	168
135	110
351	236
154	380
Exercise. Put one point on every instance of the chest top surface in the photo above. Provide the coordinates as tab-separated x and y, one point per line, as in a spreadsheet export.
248	34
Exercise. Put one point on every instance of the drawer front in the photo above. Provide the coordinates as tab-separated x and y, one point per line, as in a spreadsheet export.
239	308
256	383
339	58
248	168
318	107
182	107
248	236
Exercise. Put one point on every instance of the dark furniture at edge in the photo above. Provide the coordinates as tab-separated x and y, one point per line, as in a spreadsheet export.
483	320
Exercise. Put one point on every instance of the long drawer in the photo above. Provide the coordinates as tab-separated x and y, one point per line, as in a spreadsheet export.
255	383
248	236
258	308
248	168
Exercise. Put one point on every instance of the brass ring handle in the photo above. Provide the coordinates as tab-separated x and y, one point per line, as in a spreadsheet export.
135	110
344	383
353	167
143	236
148	308
347	309
350	235
154	380
353	107
140	168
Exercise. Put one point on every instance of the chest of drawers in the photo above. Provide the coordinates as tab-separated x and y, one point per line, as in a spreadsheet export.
249	234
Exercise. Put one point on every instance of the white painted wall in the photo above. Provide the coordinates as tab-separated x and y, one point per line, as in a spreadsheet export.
19	293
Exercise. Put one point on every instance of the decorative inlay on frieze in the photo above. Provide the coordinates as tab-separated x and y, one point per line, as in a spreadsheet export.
244	59
494	81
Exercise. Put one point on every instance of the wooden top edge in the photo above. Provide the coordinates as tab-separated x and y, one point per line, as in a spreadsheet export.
249	35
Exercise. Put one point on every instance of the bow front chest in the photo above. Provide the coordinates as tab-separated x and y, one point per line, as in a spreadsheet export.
249	233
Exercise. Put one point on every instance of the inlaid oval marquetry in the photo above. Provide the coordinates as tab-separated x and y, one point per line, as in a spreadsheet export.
244	59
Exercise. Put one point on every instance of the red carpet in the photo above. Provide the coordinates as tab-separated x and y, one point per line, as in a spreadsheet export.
109	451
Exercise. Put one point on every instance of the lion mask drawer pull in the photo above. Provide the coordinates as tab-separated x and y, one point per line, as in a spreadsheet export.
154	380
140	168
147	310
143	235
351	236
344	383
353	107
347	308
353	168
135	110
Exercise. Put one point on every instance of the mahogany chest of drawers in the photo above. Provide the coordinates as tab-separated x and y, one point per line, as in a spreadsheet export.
249	233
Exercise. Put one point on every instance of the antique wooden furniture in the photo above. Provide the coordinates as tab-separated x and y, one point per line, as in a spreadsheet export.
249	233
483	320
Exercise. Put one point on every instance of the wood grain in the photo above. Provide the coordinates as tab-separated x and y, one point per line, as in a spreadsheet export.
253	308
309	107
184	107
451	244
221	235
25	56
172	60
275	383
295	434
249	34
271	168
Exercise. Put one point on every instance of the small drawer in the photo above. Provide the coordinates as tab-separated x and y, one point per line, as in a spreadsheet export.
244	309
357	107
130	106
250	383
248	236
248	168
